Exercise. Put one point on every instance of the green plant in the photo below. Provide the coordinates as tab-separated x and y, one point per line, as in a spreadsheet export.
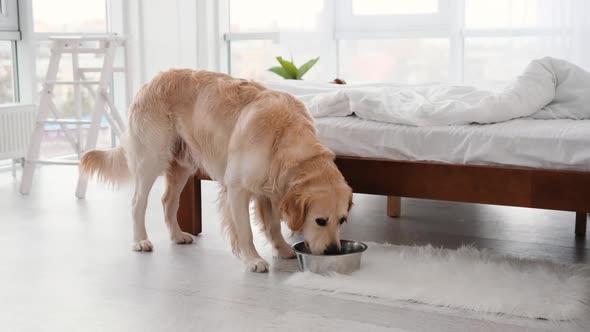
289	71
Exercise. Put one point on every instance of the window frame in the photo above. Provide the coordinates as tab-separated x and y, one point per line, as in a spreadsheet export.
350	26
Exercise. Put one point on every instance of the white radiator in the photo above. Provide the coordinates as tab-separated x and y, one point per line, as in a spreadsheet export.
17	122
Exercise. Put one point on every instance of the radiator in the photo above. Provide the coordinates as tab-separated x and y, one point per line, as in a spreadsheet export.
17	122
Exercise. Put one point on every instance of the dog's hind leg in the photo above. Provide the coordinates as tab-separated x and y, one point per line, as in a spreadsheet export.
270	220
144	180
146	164
176	177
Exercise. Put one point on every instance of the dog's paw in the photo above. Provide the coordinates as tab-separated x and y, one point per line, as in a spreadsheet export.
182	238
284	252
256	265
143	245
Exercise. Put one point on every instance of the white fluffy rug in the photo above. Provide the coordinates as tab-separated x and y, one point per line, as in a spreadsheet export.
465	278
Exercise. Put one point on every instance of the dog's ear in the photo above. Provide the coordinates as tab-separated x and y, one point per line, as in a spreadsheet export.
294	208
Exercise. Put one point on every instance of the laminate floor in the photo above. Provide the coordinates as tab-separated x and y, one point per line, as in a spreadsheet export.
66	265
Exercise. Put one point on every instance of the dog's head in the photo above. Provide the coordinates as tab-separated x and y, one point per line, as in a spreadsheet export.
318	209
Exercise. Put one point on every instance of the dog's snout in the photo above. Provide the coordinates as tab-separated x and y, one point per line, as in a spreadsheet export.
333	249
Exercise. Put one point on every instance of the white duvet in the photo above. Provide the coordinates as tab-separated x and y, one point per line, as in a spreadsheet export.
547	89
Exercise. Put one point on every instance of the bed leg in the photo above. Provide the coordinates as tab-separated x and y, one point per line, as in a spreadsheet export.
189	209
581	218
394	206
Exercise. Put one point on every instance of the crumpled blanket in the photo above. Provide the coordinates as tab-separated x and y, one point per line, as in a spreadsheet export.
547	89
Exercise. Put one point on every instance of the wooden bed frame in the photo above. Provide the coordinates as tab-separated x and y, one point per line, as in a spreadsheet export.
512	186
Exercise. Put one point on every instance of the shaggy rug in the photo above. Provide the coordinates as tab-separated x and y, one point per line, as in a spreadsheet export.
466	278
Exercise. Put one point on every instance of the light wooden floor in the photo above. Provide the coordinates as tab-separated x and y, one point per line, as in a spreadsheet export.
66	265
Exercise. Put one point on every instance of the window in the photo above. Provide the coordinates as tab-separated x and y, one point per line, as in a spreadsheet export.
477	42
7	82
407	47
397	41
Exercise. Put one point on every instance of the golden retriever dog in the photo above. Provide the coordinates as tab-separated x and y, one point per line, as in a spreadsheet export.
259	144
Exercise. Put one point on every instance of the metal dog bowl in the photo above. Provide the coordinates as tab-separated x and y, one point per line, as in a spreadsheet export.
346	261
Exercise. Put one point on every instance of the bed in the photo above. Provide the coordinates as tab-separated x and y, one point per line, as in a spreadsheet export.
546	166
530	149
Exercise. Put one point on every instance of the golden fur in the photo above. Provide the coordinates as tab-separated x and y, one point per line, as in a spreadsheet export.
260	144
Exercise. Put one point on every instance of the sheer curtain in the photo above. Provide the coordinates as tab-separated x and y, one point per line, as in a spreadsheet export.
502	36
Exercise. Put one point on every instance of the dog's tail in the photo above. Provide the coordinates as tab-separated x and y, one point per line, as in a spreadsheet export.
109	166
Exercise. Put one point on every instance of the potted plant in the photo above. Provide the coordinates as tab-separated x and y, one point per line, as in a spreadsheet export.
289	71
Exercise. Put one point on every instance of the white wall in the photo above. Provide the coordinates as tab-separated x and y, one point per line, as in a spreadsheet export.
162	35
169	35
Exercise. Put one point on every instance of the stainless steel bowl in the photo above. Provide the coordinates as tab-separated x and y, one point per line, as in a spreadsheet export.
346	261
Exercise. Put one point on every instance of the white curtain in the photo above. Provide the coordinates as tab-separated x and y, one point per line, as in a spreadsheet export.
579	20
502	36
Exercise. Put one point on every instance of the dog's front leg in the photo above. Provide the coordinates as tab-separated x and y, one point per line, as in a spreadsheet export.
270	217
239	204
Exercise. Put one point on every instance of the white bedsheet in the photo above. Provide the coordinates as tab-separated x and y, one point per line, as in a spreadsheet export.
548	89
550	144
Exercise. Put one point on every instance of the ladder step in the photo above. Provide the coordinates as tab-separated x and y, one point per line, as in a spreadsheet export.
79	50
73	82
54	162
64	121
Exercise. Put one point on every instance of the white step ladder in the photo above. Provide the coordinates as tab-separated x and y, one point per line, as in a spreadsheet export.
103	102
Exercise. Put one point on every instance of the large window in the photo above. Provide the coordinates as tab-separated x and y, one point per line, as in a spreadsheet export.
477	42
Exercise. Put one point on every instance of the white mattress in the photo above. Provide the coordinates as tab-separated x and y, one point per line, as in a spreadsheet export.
550	144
